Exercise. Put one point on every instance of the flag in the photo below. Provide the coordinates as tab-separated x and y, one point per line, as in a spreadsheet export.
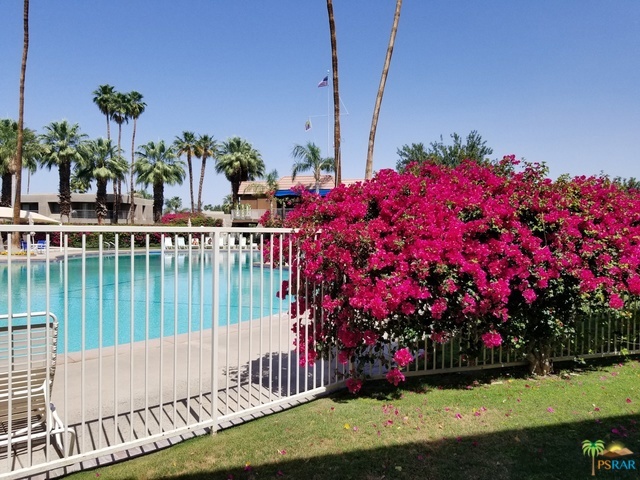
324	82
307	125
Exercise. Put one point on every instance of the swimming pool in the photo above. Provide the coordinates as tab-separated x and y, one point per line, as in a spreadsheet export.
179	297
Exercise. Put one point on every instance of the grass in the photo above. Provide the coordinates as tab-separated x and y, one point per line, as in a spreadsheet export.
479	425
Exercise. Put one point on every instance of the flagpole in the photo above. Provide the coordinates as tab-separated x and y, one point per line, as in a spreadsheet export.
328	119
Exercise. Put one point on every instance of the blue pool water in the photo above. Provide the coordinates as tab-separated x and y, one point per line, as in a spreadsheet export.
240	281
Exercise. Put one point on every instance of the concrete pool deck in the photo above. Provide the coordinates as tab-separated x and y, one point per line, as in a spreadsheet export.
126	382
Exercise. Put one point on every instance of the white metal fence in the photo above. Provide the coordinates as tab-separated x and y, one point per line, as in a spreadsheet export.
162	334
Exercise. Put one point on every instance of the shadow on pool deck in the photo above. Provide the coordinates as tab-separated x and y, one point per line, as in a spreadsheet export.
130	392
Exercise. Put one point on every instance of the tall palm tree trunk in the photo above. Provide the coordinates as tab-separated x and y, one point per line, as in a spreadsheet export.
235	188
190	167
158	201
204	163
65	190
16	168
118	184
368	172
132	208
101	200
336	95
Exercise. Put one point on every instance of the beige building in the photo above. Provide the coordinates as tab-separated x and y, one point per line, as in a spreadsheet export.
254	198
83	207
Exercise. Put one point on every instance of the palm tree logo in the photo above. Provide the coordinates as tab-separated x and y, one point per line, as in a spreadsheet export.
592	449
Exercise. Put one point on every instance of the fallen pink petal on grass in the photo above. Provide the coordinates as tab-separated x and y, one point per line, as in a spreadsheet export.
628	400
550	410
458	415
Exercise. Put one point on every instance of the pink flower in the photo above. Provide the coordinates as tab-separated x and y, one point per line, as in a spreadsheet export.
492	339
529	295
439	337
395	376
343	357
403	357
550	410
354	384
370	337
616	302
628	400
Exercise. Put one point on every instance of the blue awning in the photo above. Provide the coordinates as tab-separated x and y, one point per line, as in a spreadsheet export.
290	193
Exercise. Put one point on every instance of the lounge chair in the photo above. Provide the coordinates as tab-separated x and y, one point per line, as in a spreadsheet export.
180	243
27	367
168	243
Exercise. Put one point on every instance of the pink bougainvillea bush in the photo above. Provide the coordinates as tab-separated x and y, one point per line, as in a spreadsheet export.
498	252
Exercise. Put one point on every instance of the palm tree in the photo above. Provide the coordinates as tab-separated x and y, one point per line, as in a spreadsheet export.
158	165
336	95
186	145
103	98
120	115
16	164
62	148
592	449
136	108
368	171
31	153
173	204
100	163
308	158
205	147
239	162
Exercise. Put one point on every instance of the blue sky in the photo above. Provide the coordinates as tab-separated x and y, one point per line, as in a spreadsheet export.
553	81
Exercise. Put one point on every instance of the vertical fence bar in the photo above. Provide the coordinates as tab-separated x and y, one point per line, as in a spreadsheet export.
47	294
83	331
239	329
29	366
189	320
215	321
131	336
100	286
261	321
175	332
250	322
272	273
290	299
147	292
164	255
201	344
116	389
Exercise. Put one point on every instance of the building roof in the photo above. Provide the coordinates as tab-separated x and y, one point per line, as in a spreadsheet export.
286	183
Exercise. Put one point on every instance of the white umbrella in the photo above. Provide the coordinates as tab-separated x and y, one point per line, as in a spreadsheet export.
6	213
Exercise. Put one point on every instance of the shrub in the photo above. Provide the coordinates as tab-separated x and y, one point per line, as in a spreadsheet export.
506	257
197	220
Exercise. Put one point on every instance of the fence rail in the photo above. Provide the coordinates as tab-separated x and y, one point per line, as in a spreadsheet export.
158	341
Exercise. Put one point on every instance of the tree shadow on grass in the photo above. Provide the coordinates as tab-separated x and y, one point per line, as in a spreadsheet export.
548	452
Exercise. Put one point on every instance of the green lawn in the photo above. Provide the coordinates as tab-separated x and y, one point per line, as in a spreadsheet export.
481	425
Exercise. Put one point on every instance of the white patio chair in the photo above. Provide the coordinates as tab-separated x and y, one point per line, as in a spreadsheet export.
168	243
27	368
181	244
